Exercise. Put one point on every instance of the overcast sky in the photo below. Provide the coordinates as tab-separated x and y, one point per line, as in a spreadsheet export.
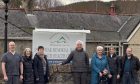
73	1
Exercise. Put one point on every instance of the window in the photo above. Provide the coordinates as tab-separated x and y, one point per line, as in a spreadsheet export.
115	46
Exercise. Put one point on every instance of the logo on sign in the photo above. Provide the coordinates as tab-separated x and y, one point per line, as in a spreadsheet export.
59	38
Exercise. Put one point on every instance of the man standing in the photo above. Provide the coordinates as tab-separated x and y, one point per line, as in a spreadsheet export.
130	67
80	63
12	66
114	66
41	67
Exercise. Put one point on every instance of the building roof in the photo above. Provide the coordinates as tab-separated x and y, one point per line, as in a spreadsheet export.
104	28
17	21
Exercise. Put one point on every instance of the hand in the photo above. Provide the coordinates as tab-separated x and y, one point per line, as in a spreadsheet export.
21	77
100	74
110	76
118	76
105	71
37	79
60	64
5	78
48	78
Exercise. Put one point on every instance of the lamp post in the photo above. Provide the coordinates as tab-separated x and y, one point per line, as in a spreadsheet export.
6	24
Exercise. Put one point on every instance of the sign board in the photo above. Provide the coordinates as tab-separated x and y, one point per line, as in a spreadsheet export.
58	43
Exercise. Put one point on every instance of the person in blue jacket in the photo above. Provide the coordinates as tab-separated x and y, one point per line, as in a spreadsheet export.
99	66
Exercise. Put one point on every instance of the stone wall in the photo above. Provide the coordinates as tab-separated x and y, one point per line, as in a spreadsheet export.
60	74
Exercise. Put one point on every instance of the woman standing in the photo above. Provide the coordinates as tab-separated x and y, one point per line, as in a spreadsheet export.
41	67
99	66
28	74
114	66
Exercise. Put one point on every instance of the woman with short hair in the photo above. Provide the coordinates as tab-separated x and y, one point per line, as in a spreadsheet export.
99	67
41	67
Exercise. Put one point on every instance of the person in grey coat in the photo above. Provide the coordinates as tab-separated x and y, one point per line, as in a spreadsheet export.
114	63
130	68
80	63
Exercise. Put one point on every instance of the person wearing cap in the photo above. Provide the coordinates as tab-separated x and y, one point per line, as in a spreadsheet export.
99	67
80	63
41	67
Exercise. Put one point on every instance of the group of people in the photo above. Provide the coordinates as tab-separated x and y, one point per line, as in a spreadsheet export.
105	69
113	69
19	69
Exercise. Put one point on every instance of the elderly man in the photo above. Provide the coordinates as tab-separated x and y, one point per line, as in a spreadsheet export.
80	63
12	66
130	67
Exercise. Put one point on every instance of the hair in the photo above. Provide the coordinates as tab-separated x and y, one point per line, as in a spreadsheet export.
99	47
108	53
24	53
11	42
129	48
79	42
40	47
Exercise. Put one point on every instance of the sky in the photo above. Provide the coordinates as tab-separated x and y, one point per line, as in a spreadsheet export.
73	1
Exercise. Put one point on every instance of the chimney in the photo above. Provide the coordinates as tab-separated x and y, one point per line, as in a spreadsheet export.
112	9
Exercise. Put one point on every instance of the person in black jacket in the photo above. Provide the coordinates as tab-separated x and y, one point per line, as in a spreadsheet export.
114	67
28	73
80	63
130	68
41	67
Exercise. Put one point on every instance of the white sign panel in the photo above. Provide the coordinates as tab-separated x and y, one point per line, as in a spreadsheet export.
57	43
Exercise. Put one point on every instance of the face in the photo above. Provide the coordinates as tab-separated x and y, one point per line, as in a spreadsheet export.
12	46
129	51
41	51
111	50
28	52
79	46
100	52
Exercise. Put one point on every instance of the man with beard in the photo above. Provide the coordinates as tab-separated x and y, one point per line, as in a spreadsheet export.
80	63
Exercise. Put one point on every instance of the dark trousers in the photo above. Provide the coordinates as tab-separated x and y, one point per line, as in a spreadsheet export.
42	80
80	77
13	80
113	79
128	79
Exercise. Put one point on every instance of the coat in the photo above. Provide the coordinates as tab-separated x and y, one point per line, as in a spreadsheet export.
114	64
40	77
135	66
97	66
80	61
28	73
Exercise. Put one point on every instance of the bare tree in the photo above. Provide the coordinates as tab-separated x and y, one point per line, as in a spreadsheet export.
15	3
